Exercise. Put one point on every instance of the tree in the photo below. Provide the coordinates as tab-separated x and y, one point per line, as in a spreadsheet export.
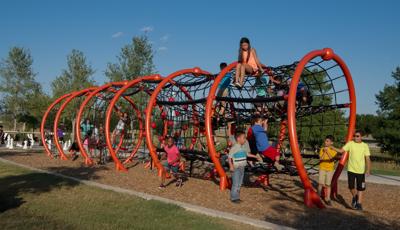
135	59
18	83
77	76
388	100
367	123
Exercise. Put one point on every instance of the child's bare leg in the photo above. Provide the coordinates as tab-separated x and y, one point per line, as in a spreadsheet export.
360	196
245	69
162	178
238	69
320	189
328	193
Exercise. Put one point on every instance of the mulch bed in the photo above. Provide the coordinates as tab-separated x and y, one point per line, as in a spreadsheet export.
282	203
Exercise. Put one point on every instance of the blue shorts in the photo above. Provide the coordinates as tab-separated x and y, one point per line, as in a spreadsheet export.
168	167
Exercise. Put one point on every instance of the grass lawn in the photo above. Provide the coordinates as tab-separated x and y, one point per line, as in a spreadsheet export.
32	200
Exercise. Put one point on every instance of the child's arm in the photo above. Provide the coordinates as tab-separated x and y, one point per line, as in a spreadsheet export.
368	161
258	157
257	60
231	168
338	150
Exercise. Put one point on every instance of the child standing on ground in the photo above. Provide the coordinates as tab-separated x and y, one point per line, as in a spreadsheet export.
173	160
326	167
237	161
358	166
248	62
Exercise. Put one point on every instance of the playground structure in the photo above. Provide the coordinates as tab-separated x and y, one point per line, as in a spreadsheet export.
304	102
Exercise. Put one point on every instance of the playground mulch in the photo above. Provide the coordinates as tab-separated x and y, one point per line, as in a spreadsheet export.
282	203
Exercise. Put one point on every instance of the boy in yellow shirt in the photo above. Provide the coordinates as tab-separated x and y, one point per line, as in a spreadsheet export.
358	166
326	167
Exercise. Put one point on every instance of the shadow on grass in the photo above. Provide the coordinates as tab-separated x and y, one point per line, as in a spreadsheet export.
83	172
13	187
329	218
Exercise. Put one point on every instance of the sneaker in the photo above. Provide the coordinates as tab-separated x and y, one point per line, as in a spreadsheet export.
359	207
236	201
278	166
179	183
161	186
329	203
75	157
354	202
238	85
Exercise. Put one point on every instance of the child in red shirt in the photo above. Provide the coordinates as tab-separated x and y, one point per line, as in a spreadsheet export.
173	159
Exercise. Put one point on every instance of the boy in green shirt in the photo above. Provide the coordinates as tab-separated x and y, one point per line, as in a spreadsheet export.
356	170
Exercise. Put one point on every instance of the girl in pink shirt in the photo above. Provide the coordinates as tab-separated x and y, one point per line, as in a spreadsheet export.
248	62
173	159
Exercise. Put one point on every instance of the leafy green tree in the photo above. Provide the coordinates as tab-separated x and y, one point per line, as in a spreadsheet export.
135	59
367	123
18	84
388	100
313	128
77	76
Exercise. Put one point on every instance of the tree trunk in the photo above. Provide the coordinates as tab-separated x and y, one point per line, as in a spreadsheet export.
23	127
15	124
73	131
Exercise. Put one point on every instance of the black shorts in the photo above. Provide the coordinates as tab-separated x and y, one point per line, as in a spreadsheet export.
355	178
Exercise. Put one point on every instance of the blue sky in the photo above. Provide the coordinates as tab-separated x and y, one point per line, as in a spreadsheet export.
366	34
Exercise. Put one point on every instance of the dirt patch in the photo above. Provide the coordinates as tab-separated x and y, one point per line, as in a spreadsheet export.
282	203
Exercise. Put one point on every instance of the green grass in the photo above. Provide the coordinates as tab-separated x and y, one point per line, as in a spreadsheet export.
385	168
32	200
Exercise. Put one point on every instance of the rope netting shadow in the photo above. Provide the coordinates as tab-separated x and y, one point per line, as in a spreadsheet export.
124	120
182	96
47	126
310	98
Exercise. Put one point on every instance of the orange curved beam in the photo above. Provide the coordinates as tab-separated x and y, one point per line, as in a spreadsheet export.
43	123
223	183
58	115
108	86
119	166
310	196
152	102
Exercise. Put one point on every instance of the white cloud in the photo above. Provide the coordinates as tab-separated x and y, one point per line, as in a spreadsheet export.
164	38
162	48
147	29
117	35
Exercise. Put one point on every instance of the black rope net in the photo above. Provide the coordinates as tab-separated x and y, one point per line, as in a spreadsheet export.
321	109
129	141
182	101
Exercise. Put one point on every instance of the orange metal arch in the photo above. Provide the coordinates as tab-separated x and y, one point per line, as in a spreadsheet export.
43	123
310	196
119	166
152	102
108	86
223	183
58	115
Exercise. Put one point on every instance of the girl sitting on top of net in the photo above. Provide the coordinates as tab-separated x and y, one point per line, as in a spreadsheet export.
248	63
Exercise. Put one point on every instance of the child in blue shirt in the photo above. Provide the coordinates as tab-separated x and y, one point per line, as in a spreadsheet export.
258	134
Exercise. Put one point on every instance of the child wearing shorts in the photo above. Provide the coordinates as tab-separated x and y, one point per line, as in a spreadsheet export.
173	159
326	167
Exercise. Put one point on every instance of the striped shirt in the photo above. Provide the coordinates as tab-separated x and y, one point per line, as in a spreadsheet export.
238	154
